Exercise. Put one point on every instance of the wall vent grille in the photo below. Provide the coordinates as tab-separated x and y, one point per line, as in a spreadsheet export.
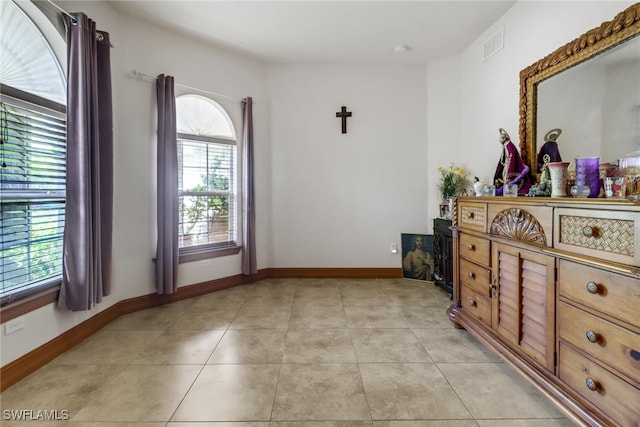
493	44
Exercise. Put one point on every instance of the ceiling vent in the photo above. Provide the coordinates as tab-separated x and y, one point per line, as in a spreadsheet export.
493	44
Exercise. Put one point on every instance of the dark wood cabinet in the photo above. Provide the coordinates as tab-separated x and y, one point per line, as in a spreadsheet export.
443	254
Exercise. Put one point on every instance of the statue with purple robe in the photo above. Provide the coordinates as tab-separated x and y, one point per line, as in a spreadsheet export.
511	169
549	152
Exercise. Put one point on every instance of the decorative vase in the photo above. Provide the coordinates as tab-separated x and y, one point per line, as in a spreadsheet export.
558	173
588	173
446	207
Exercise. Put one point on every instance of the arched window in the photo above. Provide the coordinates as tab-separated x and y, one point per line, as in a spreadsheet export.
32	153
207	176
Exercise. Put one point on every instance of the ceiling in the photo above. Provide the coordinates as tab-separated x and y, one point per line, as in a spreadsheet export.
329	31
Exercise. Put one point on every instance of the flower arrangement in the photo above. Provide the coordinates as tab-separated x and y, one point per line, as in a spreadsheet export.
453	180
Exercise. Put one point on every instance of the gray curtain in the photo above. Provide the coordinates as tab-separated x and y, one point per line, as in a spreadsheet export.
167	249
86	269
249	264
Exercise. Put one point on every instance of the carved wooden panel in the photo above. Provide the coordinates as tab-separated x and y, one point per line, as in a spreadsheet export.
518	224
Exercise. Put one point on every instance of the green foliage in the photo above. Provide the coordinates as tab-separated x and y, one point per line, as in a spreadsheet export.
453	180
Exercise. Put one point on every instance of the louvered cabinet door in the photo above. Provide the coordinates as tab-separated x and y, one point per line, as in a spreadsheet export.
523	308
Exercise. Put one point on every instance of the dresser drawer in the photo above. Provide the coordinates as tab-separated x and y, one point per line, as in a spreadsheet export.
605	341
609	293
611	235
472	215
475	249
617	398
478	305
476	277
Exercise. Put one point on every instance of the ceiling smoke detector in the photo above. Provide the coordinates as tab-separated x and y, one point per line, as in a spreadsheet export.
399	49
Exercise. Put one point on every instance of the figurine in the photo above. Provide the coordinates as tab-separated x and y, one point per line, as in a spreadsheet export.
543	188
549	151
478	186
511	169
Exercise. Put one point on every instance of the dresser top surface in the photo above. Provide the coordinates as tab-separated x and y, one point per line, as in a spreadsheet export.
597	203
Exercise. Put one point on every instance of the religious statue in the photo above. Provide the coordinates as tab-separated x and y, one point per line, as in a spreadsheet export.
549	152
543	188
511	169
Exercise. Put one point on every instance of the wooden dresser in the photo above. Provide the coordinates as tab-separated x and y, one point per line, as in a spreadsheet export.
553	286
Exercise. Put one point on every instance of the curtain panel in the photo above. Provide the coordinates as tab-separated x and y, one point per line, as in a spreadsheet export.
167	158
86	269
249	262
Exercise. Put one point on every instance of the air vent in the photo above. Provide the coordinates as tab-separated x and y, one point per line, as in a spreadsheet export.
493	44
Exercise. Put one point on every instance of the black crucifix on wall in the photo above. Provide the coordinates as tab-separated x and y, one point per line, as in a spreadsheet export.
343	114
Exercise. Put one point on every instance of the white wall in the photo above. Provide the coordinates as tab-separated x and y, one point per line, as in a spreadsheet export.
489	91
339	200
153	51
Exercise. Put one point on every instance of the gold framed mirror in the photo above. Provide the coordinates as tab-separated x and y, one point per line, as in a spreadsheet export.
610	34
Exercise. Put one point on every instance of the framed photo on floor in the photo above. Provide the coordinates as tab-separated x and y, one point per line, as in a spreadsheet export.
417	256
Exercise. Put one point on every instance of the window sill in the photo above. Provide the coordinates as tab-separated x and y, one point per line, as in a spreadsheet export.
30	303
207	254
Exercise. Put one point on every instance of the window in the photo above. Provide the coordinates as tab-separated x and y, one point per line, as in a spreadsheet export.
32	158
207	176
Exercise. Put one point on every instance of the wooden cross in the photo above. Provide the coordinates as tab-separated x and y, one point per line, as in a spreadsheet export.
343	114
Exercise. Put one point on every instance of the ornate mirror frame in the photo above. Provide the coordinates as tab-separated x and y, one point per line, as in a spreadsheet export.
624	26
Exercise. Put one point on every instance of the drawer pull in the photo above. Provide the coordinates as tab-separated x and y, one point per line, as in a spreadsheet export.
592	336
472	303
589	231
471	247
593	288
469	214
470	275
592	384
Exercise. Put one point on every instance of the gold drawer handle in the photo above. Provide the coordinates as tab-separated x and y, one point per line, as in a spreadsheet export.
470	275
469	214
589	231
472	303
471	247
592	337
593	288
592	384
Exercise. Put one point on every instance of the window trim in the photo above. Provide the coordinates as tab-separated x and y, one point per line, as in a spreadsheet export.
20	303
213	250
206	253
36	295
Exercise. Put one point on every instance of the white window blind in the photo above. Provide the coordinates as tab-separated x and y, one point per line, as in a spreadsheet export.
32	195
206	180
207	175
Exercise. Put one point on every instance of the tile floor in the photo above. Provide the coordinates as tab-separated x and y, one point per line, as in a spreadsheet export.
289	353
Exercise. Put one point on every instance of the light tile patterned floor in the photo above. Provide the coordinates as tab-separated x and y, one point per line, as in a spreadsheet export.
285	353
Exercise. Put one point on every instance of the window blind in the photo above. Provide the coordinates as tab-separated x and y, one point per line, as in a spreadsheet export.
32	196
207	199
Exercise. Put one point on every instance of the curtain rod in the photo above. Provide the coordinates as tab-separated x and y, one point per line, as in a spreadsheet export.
74	20
142	76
